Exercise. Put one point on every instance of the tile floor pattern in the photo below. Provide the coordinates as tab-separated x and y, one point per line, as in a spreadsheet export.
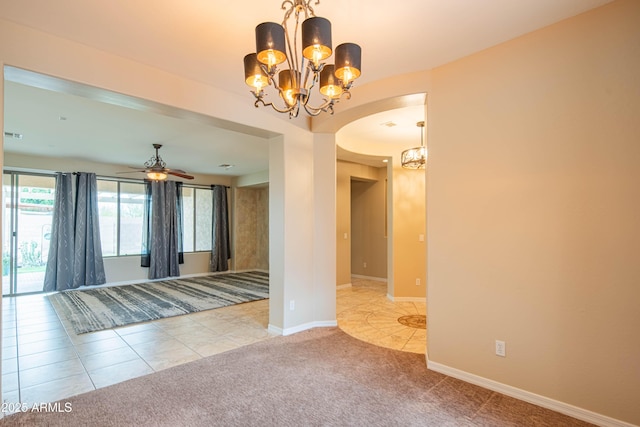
364	312
44	361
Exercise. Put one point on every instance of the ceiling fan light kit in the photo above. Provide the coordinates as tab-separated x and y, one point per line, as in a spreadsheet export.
295	85
156	169
157	176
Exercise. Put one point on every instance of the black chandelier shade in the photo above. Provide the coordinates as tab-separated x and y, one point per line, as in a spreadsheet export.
288	79
316	39
329	84
253	73
304	47
270	43
348	62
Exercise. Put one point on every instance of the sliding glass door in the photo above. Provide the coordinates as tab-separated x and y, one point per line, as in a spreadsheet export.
28	213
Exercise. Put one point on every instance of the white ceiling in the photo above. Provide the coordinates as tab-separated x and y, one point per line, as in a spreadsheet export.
206	40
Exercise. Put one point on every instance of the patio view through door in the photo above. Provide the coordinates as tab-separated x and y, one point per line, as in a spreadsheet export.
28	213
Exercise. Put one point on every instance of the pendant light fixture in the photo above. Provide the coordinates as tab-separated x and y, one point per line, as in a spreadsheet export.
275	45
415	158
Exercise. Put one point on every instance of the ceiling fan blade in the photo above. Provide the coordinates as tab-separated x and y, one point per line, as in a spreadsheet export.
176	173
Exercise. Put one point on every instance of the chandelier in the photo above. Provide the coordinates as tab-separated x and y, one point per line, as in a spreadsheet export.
275	45
415	158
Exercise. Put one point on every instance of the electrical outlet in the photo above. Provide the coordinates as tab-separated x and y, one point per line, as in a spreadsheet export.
364	264
292	305
501	348
417	282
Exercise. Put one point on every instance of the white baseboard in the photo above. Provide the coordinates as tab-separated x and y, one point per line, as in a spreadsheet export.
536	399
406	299
375	279
344	286
274	329
289	331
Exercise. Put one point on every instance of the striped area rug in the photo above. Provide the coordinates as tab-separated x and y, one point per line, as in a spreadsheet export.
104	308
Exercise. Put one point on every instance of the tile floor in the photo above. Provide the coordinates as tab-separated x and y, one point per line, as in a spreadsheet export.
44	361
365	312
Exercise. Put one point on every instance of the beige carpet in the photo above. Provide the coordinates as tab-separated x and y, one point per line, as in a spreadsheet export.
321	377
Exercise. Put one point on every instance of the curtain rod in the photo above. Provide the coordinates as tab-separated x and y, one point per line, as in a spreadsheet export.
138	180
9	170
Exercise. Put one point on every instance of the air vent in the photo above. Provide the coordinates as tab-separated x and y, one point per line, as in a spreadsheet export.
225	166
13	135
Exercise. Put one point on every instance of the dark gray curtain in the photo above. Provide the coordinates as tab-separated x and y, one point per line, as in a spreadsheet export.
162	240
75	253
59	272
220	252
88	266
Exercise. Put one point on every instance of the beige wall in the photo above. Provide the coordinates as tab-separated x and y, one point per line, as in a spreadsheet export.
409	234
262	232
250	228
533	215
343	225
346	171
368	226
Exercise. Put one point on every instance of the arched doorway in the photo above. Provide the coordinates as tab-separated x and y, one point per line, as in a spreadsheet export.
369	303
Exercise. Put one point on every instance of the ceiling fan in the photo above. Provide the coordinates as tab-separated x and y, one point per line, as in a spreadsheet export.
156	168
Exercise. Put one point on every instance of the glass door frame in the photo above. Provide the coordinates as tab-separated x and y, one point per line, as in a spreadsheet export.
13	230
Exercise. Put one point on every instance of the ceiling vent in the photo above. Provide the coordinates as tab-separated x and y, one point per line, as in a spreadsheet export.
13	135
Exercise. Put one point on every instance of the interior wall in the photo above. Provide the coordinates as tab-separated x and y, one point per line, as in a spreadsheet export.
533	212
251	228
409	230
368	227
324	224
297	232
345	172
262	232
343	226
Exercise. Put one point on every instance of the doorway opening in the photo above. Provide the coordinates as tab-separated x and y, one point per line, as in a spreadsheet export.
28	214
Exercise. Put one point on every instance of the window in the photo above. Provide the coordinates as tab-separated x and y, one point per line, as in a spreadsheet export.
188	206
203	219
121	209
108	214
197	205
131	218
